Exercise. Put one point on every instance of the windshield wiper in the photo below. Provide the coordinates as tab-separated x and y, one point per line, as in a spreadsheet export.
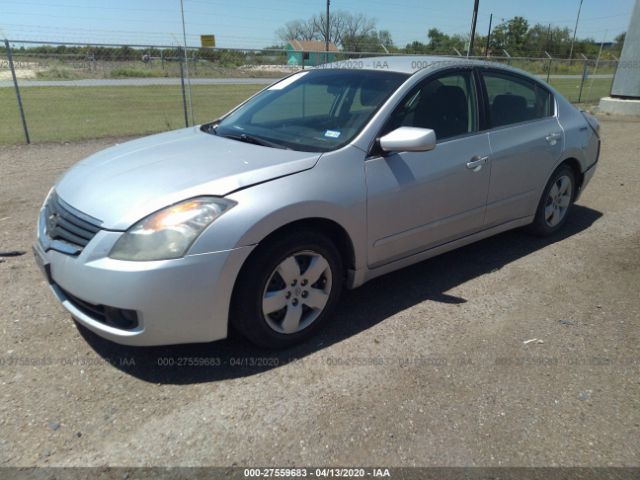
255	140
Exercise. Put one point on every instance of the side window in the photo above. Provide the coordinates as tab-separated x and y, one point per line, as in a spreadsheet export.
445	104
515	99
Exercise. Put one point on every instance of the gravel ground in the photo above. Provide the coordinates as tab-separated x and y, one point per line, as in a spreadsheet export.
426	366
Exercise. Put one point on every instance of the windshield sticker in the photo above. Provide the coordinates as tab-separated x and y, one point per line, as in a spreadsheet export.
331	134
287	81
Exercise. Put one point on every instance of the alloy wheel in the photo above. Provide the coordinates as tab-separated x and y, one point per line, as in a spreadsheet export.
297	292
558	201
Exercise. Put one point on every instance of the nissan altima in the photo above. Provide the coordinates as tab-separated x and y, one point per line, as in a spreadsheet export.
322	181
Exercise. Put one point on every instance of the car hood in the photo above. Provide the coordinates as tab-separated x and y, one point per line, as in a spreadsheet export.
124	183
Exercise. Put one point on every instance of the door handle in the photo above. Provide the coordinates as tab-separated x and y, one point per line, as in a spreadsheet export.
553	138
476	163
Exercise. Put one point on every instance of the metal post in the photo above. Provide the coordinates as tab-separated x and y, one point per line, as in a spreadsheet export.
15	84
549	65
508	56
585	72
474	19
186	60
486	48
184	95
595	69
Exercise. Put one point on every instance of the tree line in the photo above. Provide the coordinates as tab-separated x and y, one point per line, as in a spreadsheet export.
350	32
359	33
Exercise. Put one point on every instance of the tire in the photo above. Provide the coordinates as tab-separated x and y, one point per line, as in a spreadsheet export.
276	304
556	202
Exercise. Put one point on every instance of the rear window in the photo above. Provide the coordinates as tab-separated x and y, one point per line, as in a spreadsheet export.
514	99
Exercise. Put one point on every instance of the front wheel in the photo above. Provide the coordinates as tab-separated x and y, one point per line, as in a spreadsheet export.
288	290
556	202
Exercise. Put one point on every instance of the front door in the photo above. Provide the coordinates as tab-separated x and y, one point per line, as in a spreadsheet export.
418	200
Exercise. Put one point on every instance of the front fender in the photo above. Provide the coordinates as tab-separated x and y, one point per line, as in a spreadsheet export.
333	190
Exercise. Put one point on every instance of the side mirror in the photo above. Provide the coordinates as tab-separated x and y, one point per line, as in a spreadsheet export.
409	139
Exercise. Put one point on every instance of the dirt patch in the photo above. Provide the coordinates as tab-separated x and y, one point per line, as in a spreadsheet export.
426	366
24	70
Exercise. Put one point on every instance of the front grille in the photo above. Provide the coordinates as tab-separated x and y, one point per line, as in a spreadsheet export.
111	316
66	224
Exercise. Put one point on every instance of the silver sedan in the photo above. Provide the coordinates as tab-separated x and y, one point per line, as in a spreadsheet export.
323	180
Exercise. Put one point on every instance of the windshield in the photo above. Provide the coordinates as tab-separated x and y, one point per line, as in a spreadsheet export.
316	110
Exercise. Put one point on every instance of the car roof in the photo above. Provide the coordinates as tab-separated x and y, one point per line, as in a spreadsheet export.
413	63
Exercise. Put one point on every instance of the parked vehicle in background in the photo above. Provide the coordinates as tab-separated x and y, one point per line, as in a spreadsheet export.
325	179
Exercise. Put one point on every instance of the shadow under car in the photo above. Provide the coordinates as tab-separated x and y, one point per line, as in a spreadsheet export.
358	310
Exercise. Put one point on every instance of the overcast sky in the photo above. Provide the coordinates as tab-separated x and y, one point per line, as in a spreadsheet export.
252	23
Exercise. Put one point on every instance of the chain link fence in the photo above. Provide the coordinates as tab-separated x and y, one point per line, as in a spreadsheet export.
73	92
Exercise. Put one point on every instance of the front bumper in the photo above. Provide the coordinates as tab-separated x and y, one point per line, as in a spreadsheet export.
184	300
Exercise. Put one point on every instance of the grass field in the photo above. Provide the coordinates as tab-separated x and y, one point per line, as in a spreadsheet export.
68	114
592	91
62	114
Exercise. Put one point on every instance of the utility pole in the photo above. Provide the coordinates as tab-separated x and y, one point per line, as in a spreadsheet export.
548	45
486	48
473	27
575	30
326	37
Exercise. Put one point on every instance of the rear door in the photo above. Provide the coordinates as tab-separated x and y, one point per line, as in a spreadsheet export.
526	142
418	200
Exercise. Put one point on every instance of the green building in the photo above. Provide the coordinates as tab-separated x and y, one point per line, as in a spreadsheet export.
309	53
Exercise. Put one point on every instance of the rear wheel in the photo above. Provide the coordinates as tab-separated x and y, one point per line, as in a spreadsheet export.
556	202
288	290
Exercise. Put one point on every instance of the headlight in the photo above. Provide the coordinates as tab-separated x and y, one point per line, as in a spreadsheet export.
170	232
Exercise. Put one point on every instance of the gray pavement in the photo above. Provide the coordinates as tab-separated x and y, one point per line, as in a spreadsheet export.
433	365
